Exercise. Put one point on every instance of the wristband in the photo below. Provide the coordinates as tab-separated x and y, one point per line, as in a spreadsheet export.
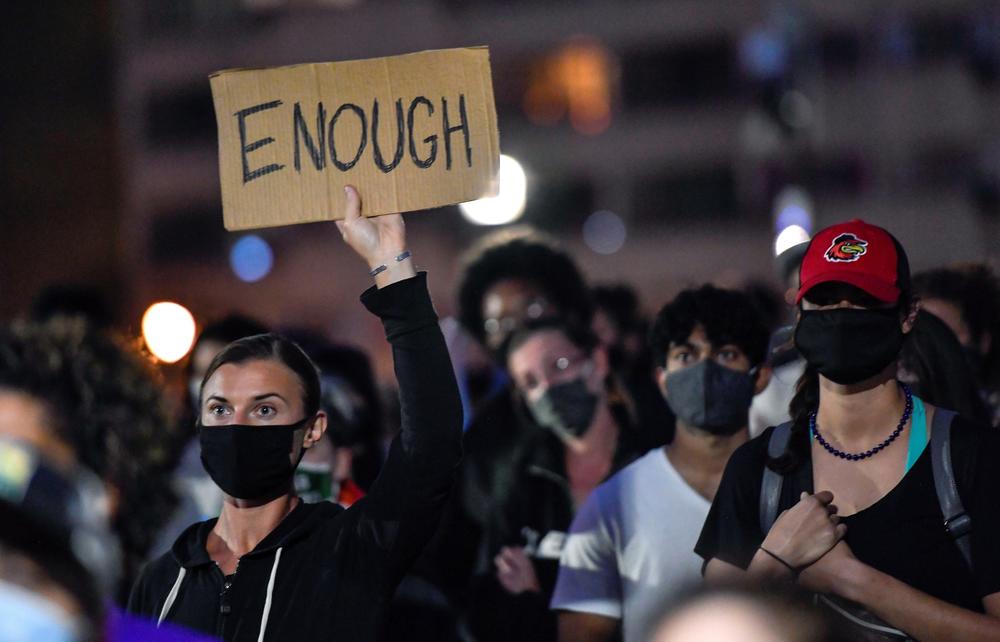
382	268
791	568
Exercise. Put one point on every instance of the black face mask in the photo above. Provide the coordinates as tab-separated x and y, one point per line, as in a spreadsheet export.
711	397
565	408
849	345
249	462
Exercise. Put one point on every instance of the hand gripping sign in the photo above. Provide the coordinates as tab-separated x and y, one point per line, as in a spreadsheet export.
410	132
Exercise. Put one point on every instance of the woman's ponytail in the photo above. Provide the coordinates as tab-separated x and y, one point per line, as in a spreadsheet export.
803	404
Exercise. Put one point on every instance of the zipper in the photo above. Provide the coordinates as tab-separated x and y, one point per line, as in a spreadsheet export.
225	608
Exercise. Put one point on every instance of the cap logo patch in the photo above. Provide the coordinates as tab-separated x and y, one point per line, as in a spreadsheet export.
846	248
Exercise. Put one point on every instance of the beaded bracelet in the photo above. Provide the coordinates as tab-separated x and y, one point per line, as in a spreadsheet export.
382	268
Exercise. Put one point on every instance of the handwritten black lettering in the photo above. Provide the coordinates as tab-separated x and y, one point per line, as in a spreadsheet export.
364	136
432	139
463	126
241	118
317	150
379	161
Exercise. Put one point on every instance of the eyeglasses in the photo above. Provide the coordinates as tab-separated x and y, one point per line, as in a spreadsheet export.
556	370
536	309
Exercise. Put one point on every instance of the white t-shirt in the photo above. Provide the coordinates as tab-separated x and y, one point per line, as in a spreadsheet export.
631	546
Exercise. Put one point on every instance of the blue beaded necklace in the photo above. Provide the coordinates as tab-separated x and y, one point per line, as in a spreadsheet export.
907	410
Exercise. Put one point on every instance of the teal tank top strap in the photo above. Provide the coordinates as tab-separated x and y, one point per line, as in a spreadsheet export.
918	433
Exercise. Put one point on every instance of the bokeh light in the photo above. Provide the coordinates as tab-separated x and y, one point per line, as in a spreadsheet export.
168	330
764	54
508	204
575	80
604	232
251	258
789	238
793	206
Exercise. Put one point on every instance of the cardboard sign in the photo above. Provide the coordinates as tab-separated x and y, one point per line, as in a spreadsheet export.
410	132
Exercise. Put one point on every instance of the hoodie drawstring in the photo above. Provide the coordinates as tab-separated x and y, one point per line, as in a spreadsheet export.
171	596
270	591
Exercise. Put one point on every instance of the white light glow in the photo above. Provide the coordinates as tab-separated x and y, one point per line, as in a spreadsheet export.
168	329
508	204
793	206
790	237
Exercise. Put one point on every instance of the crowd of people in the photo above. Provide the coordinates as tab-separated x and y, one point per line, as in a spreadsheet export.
570	471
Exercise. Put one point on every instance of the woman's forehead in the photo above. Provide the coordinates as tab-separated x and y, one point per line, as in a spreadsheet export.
253	378
543	343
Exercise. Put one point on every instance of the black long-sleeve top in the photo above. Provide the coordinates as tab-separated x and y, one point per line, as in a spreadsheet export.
325	573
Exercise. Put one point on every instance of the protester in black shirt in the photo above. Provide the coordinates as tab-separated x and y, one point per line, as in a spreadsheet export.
581	435
508	279
861	523
272	567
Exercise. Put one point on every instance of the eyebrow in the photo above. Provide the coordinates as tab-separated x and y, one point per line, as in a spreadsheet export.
256	398
269	394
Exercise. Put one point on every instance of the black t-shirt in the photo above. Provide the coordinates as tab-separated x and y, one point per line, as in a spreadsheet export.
901	535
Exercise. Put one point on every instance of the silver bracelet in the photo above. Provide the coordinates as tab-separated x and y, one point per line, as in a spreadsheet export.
382	268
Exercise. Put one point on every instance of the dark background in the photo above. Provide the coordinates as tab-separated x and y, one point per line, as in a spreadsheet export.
686	118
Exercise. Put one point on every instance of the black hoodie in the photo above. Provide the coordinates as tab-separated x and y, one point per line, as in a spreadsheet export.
326	573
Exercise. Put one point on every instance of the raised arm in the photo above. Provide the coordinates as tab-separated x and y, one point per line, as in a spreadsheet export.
403	508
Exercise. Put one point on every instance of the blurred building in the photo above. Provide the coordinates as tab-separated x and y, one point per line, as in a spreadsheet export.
679	120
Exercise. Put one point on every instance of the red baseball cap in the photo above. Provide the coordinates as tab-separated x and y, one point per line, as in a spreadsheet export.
857	253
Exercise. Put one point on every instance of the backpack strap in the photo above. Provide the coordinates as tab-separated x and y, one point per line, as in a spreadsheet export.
957	522
770	485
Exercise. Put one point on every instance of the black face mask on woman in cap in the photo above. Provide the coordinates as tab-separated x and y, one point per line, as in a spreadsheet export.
849	345
249	462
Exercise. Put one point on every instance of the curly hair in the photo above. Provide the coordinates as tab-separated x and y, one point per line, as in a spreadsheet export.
520	254
104	400
728	316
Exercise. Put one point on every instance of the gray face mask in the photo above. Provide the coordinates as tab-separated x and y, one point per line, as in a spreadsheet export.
566	408
711	397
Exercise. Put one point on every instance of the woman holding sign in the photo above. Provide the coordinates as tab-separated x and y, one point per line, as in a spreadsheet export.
270	566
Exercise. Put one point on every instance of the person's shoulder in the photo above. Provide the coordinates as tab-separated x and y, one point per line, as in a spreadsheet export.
607	500
745	468
753	452
644	464
158	568
154	580
631	477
